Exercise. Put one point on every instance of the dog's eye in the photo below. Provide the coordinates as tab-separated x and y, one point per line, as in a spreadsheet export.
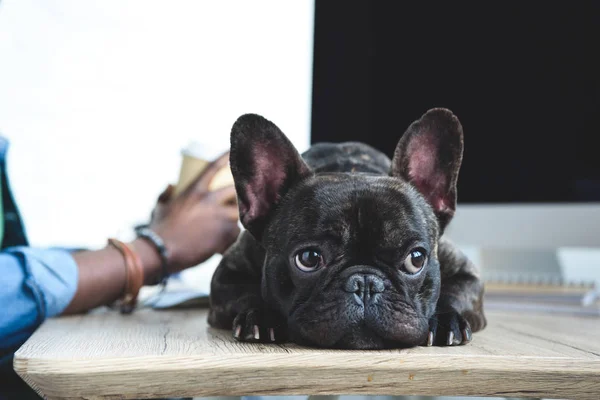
308	260
415	261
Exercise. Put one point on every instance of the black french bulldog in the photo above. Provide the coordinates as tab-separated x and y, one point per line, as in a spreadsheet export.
343	247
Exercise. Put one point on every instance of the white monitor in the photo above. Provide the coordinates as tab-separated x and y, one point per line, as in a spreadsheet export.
531	241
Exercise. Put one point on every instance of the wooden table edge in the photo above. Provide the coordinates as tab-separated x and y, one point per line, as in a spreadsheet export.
383	376
377	360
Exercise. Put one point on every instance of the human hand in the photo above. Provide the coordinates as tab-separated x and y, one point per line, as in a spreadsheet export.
197	223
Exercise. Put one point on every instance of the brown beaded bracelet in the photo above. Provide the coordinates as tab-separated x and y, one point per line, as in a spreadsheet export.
134	276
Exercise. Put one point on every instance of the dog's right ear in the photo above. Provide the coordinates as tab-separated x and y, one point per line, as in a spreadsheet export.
265	165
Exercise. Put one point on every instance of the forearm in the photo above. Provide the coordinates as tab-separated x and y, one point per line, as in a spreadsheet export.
102	275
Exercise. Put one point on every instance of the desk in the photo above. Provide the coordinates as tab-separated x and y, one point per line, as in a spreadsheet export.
153	354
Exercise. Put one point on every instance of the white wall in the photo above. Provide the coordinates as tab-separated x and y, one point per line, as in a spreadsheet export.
98	97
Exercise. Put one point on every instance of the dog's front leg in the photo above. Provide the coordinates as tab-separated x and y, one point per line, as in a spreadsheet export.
235	296
459	310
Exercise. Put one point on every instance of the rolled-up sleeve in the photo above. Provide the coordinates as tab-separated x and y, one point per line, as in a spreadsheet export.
35	284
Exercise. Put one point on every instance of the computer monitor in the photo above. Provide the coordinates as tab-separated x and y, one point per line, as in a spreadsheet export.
523	78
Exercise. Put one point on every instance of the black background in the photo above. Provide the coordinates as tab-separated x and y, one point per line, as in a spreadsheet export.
523	78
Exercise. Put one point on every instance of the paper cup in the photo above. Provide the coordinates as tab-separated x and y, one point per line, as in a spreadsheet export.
195	158
221	179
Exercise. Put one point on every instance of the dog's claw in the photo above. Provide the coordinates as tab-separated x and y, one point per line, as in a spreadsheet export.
450	341
467	335
448	329
256	325
430	339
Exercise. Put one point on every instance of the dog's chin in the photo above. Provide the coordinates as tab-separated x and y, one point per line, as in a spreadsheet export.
364	338
359	338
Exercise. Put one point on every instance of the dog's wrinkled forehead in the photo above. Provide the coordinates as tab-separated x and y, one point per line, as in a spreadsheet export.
356	207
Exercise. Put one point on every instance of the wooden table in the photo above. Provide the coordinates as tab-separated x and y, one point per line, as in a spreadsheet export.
153	354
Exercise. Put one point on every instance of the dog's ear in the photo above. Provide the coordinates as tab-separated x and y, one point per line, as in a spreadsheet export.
265	165
429	156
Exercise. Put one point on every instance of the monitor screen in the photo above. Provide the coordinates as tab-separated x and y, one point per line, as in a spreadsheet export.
522	77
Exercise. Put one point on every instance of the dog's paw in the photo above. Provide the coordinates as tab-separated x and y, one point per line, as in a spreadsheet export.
258	326
448	329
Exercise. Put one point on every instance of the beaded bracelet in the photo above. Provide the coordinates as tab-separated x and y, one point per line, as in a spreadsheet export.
144	232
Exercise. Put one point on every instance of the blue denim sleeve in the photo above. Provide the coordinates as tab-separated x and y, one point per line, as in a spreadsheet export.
35	284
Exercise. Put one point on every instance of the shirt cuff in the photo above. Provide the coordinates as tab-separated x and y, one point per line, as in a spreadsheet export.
52	275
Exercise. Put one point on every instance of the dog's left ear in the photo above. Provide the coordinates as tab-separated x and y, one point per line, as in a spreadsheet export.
429	156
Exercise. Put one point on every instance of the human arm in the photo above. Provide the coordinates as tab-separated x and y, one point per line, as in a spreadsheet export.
36	284
194	226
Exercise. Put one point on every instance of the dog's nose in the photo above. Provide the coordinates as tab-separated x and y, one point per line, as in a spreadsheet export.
364	287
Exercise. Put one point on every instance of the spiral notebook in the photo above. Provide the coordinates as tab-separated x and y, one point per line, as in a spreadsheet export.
576	298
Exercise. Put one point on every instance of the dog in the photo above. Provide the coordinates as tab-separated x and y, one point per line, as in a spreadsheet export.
343	247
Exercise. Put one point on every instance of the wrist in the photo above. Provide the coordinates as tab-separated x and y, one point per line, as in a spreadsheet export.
151	261
155	239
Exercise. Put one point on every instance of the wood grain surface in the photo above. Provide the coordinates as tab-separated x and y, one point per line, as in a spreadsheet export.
157	354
